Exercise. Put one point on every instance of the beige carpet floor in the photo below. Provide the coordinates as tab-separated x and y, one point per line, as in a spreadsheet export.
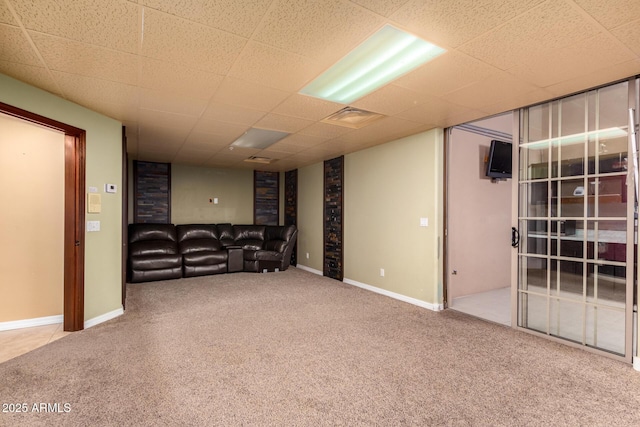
296	349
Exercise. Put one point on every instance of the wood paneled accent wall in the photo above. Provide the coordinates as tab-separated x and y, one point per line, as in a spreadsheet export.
266	200
333	218
291	206
152	192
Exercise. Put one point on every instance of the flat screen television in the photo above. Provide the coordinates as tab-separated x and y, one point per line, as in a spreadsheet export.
499	164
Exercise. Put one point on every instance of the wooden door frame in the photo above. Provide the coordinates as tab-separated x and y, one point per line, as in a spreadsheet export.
74	199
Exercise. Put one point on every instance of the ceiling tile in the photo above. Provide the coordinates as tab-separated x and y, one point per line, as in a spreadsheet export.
172	103
489	91
228	131
232	114
14	47
179	122
281	147
432	112
448	72
88	60
386	129
275	68
390	100
282	123
573	61
515	102
161	138
611	14
307	107
529	37
237	17
176	40
606	75
35	76
207	141
175	78
325	130
118	111
434	20
299	140
6	17
109	23
323	30
249	95
86	90
382	7
629	34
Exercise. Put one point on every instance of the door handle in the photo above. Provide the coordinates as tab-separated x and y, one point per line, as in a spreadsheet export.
515	237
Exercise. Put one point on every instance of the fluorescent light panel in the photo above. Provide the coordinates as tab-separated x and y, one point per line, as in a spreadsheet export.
258	138
383	57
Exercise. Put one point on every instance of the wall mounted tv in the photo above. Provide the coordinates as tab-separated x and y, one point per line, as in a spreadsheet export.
499	163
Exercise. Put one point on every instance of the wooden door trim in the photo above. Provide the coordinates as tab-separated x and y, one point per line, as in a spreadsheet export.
74	200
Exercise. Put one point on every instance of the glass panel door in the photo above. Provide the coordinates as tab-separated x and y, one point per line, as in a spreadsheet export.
576	219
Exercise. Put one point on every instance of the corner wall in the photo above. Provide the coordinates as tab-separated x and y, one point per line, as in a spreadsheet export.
103	263
388	188
193	186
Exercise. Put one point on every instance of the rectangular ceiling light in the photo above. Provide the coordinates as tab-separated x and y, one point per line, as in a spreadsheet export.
383	57
258	138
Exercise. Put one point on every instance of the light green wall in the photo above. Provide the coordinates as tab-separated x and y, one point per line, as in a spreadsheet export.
193	186
310	230
387	189
103	286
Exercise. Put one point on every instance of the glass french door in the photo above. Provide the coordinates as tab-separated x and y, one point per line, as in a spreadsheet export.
576	219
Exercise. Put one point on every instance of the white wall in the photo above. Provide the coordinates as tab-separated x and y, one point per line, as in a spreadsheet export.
31	220
479	217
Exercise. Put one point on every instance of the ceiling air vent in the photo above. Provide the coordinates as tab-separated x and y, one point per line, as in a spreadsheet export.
352	118
258	159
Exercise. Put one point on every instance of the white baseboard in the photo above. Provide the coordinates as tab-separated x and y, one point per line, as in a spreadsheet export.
309	269
103	318
52	320
400	297
636	363
29	323
404	298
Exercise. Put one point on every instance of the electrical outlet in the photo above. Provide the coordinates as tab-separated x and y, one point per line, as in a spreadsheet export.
382	272
307	255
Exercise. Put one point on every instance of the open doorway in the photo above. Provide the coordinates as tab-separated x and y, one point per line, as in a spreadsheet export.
479	222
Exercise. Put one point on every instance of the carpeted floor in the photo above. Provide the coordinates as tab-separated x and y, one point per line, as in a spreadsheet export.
296	349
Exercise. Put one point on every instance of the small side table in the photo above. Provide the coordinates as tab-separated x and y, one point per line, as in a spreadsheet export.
235	262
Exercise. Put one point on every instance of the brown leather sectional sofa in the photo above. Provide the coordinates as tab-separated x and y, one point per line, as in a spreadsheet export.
167	251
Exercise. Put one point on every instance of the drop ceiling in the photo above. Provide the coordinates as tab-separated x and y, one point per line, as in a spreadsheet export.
189	77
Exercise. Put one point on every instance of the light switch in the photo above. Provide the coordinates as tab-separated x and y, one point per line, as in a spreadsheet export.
424	222
110	188
215	200
93	225
94	203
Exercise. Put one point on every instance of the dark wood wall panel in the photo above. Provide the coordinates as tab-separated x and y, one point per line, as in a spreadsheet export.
266	201
291	206
152	192
333	219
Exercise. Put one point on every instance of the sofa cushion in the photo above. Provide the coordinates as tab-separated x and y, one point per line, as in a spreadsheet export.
155	262
152	247
225	234
142	232
261	255
206	258
248	232
198	245
197	231
250	244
